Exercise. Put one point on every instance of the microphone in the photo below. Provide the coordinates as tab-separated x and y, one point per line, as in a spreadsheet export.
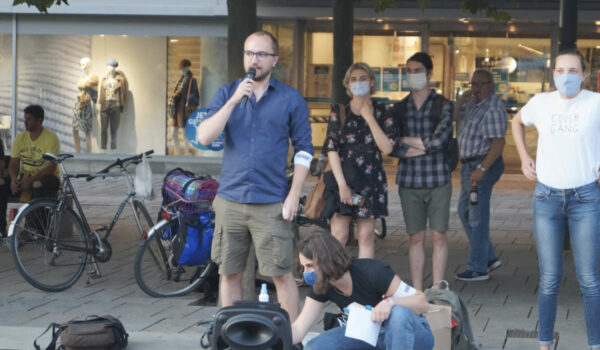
250	75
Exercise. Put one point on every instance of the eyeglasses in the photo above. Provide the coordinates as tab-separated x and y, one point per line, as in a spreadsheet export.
261	55
475	84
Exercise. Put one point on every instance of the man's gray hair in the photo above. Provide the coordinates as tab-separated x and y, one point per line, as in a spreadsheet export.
485	73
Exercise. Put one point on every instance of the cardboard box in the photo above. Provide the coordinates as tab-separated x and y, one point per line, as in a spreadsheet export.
439	318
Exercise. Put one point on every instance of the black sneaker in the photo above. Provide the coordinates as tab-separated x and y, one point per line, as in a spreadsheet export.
494	265
469	275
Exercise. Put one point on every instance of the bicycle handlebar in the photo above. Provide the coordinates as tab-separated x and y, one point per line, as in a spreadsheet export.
122	163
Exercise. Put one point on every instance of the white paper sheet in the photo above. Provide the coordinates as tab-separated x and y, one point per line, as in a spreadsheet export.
360	326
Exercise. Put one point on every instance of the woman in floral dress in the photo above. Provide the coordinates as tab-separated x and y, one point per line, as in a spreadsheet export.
353	145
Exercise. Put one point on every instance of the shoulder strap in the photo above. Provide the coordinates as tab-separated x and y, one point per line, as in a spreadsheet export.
187	97
55	334
436	109
342	115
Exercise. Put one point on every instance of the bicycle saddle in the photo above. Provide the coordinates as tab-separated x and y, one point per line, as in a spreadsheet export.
56	157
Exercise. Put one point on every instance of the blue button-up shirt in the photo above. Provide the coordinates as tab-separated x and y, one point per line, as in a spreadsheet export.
257	142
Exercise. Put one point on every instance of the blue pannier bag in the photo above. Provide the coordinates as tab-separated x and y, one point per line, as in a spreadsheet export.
192	244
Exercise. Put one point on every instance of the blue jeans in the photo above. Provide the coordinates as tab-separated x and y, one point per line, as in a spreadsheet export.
402	330
553	210
476	218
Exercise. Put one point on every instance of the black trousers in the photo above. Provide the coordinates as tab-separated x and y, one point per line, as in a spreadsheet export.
50	185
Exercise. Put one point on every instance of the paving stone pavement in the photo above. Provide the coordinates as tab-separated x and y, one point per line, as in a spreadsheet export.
508	300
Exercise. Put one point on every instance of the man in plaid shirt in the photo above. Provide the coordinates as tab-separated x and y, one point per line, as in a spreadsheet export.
418	132
483	123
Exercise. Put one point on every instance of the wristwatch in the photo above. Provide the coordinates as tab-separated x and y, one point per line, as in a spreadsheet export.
480	167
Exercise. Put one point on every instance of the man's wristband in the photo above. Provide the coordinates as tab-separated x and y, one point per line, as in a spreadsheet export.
480	167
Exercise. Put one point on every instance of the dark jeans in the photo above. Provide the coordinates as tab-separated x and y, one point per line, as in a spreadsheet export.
4	194
112	117
50	185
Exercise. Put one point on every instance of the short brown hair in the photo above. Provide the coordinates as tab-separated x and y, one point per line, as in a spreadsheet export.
576	53
274	43
330	259
361	66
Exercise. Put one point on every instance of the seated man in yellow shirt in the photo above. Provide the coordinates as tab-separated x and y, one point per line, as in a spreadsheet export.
27	169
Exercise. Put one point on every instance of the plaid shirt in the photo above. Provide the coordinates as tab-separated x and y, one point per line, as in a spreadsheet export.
481	122
429	170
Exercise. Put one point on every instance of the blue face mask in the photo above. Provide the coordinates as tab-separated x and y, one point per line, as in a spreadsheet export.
310	278
360	88
567	84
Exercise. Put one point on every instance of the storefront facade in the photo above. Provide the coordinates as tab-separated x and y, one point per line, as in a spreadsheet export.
40	58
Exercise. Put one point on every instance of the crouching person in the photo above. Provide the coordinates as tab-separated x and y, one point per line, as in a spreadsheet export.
335	276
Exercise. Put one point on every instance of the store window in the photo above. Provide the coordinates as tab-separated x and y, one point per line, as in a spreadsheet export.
385	54
284	33
590	48
111	93
521	66
197	67
6	90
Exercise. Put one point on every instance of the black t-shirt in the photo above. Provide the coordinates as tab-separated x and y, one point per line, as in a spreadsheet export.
1	149
370	280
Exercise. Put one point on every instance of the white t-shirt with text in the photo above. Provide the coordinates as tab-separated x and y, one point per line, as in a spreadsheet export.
568	150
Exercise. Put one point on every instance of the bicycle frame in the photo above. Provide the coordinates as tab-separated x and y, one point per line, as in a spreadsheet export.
67	188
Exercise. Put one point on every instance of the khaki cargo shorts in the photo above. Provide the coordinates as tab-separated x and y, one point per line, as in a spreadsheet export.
237	225
420	204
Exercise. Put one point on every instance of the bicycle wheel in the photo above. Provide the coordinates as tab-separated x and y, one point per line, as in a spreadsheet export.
380	228
155	271
48	247
144	216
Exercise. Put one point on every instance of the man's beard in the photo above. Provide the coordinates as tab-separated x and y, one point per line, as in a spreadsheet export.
262	76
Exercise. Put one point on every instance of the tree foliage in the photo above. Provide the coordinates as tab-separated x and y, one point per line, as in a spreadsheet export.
472	6
41	5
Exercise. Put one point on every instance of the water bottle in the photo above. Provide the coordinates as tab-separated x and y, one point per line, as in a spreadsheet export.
263	297
473	195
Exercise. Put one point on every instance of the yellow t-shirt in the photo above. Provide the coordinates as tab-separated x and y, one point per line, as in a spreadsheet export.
30	151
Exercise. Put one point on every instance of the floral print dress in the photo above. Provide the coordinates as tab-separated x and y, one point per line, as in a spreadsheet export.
355	142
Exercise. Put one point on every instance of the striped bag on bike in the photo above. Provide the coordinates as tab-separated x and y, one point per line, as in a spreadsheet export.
194	193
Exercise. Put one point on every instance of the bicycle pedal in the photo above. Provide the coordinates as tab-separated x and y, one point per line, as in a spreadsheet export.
100	228
93	273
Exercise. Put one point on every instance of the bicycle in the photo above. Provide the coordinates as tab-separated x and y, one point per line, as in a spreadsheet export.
50	242
156	266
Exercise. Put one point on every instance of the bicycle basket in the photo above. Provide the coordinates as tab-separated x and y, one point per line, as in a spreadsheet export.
189	193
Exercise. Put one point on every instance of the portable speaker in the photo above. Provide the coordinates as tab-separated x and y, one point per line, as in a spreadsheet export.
252	325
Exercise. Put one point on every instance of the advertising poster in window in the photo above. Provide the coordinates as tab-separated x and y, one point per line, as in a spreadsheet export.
377	72
390	78
500	80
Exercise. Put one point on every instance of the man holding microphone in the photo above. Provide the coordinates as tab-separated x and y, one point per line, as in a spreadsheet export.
253	205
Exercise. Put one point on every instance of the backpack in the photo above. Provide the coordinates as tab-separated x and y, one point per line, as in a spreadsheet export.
451	149
462	335
93	333
192	244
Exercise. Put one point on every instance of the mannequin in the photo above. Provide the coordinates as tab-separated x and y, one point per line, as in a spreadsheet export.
182	102
113	95
84	109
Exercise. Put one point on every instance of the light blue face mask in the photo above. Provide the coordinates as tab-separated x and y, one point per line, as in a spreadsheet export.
310	278
360	88
567	84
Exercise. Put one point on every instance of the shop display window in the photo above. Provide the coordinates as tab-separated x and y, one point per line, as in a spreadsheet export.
590	48
6	90
111	93
521	66
284	33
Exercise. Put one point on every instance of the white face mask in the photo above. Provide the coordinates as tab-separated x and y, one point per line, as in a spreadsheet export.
416	81
360	88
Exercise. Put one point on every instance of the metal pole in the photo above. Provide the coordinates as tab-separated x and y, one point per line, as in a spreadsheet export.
568	24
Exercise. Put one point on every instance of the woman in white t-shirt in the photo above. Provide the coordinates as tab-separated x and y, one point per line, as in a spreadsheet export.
567	193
